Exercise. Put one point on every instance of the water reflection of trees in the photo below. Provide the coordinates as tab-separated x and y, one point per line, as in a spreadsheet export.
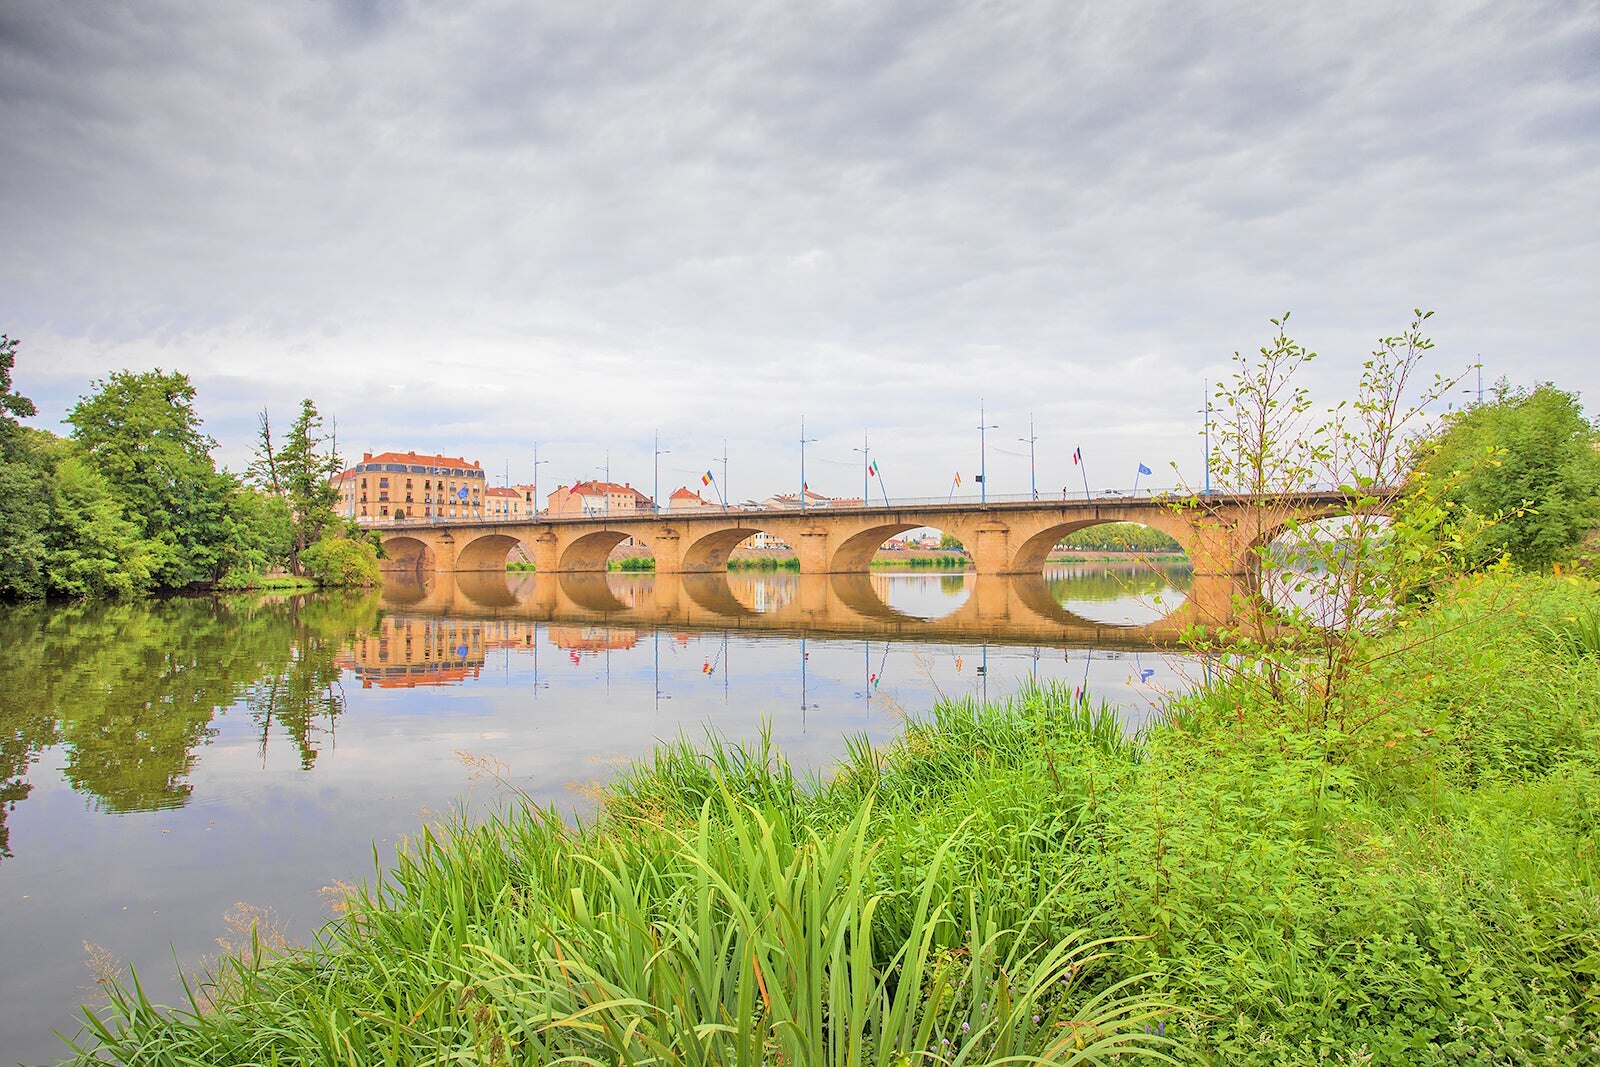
131	689
1116	582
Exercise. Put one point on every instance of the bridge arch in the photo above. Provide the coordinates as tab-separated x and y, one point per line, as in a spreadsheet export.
406	553
855	552
710	552
592	551
1030	556
487	552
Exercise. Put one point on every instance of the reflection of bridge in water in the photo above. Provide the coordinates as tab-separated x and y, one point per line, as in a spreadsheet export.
999	609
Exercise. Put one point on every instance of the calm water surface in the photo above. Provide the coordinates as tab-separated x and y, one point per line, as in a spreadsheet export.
163	762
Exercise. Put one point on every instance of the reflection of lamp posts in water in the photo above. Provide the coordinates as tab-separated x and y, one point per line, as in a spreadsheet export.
655	489
983	454
1033	470
804	440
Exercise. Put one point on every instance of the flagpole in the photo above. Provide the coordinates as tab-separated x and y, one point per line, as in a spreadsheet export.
1084	469
1136	474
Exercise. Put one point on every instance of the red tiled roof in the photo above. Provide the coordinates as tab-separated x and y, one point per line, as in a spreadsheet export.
421	459
498	490
603	488
685	493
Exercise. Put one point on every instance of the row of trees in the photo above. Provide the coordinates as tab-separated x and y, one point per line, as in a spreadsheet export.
132	502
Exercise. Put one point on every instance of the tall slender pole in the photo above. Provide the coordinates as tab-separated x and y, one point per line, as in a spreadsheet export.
804	440
1033	469
655	499
536	462
983	453
866	468
1206	384
724	486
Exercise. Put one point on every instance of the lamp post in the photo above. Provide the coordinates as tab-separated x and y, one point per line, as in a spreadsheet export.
1206	385
866	467
655	489
607	489
983	453
1033	470
536	462
804	440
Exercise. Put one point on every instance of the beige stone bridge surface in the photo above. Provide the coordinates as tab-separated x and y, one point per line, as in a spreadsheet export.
1000	609
1218	533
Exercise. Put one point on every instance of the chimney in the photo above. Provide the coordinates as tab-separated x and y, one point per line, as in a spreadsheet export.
366	457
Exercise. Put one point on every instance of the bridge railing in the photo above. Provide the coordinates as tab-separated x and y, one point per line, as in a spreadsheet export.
904	503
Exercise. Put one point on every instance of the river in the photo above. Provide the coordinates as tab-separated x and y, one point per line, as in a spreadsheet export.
169	768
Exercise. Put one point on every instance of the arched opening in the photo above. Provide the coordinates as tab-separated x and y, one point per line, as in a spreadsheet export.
1111	573
486	589
486	553
592	551
738	548
406	554
1326	571
915	572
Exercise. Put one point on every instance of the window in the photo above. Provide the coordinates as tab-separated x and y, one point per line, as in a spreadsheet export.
383	483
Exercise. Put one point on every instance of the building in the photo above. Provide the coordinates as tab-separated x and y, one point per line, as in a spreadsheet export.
401	486
685	499
597	498
786	501
514	504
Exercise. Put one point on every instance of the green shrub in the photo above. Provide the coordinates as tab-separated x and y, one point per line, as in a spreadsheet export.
337	561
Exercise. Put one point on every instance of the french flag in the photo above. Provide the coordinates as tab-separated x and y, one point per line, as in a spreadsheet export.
1077	456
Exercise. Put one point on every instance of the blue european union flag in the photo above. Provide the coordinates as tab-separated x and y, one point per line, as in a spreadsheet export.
1145	470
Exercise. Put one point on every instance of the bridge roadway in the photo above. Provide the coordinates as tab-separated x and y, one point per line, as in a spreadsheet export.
1217	532
998	610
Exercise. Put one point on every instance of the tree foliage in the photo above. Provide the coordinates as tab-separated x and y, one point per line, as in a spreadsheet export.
142	432
1521	476
301	469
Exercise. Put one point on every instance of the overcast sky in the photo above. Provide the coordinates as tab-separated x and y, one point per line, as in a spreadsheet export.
468	227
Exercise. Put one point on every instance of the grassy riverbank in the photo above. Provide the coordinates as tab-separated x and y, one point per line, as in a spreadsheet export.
1415	879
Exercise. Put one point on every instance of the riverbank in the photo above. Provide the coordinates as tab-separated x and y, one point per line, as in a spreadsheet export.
1412	881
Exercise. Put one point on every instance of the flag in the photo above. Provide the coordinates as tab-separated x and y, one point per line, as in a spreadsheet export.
705	479
1145	470
461	494
958	478
872	468
1077	456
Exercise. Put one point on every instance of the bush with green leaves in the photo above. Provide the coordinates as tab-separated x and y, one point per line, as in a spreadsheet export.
340	561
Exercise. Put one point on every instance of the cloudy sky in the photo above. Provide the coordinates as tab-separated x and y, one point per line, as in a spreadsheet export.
473	226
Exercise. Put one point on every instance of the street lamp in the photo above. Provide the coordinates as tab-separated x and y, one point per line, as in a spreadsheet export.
866	468
804	440
607	488
1206	385
536	462
655	499
1033	471
983	453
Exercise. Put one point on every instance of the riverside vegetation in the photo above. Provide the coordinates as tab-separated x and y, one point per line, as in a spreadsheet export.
1366	835
132	503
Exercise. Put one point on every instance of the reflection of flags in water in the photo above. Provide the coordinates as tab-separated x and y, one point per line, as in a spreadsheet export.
1145	470
1146	674
705	668
705	479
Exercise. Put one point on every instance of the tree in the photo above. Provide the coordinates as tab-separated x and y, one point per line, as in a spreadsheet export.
305	471
141	431
1525	469
24	491
12	405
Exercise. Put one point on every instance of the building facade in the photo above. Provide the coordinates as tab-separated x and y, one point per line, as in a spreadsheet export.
411	486
597	498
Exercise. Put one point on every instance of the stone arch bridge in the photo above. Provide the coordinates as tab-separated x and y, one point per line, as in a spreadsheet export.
1218	533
